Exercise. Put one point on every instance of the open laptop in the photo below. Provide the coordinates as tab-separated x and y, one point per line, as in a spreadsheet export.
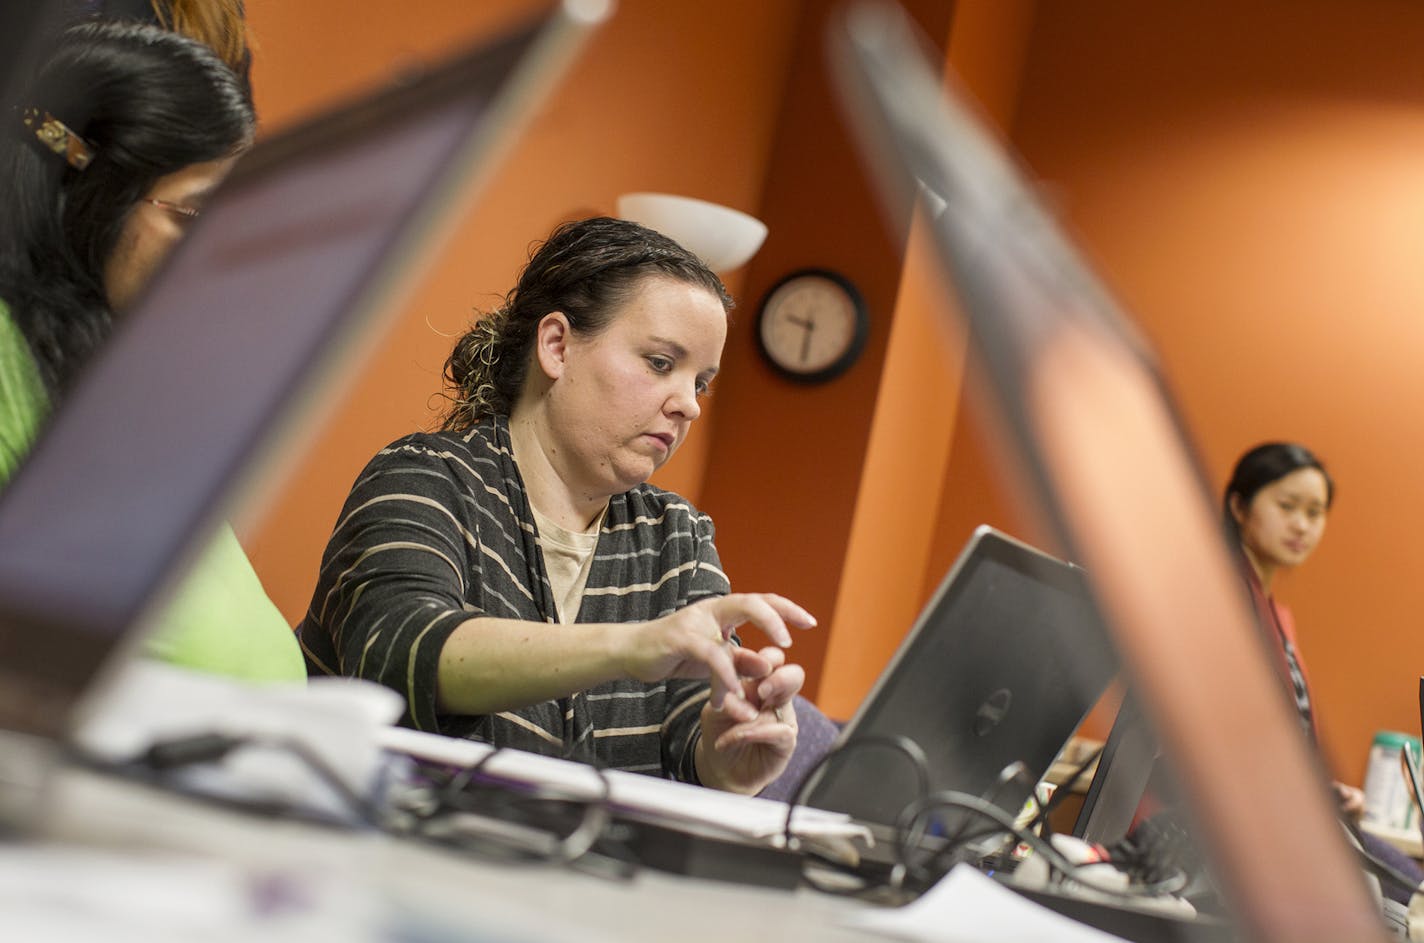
1086	417
1001	667
304	249
1124	770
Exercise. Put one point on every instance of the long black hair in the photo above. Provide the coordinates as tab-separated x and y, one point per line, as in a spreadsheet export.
1261	466
150	103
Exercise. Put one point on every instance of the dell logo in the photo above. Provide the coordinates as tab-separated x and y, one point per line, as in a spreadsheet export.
992	712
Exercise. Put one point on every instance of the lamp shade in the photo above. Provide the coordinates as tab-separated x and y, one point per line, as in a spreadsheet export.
720	236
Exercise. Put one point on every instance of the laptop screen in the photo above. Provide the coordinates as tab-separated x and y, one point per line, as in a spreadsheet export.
1124	770
307	241
1001	668
1086	416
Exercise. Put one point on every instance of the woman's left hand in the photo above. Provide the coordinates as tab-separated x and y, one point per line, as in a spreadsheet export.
745	756
1350	800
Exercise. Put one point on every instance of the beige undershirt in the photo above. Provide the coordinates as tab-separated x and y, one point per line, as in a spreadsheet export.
567	558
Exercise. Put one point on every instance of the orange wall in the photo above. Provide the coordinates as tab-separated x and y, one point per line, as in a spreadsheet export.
696	116
885	581
1249	178
787	459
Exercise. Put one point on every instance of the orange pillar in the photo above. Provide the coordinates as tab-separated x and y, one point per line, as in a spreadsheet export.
885	579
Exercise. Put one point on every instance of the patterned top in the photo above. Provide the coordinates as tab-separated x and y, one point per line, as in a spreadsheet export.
438	530
1276	622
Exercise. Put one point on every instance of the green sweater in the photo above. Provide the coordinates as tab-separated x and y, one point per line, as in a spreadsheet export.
221	619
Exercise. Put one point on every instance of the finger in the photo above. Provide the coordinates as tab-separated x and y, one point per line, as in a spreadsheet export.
789	611
726	688
773	735
776	656
752	664
731	702
757	609
781	686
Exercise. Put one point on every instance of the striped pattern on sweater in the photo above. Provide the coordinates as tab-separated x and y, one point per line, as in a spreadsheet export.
438	530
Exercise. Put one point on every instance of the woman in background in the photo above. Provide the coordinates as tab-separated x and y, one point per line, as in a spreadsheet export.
121	135
1275	508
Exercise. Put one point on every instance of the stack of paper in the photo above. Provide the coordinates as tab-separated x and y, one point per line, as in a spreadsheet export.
660	801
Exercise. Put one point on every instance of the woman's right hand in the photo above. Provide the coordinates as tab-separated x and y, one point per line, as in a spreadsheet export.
695	642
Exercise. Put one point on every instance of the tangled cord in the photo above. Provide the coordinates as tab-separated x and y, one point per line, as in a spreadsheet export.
505	813
916	821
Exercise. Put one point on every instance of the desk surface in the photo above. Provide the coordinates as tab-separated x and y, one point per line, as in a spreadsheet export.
514	901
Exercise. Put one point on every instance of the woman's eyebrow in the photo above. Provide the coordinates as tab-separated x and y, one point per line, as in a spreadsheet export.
672	345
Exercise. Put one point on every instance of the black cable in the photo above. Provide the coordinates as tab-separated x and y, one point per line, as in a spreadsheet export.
1055	859
1064	790
167	756
896	742
507	810
1014	771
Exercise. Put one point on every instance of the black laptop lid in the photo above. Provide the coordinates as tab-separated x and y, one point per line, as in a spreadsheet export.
1124	770
1002	666
307	241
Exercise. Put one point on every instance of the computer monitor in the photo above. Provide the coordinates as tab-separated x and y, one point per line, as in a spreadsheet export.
305	248
1124	768
1000	668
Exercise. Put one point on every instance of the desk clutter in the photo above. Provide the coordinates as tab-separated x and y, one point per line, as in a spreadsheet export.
267	762
371	785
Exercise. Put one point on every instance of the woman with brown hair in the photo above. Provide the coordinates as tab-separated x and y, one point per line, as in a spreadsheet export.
514	575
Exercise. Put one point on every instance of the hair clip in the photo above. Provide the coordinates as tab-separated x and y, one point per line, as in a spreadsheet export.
57	137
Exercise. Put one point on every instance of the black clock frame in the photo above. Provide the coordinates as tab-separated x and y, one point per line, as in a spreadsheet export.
858	339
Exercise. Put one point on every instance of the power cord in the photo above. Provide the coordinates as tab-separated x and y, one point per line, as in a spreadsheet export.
895	742
1064	790
475	810
937	865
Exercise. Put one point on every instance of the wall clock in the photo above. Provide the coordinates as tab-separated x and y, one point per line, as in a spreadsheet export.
812	325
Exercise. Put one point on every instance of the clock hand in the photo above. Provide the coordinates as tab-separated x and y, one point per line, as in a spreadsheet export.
806	340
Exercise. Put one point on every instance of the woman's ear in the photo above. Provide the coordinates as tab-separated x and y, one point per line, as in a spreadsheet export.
1238	512
551	343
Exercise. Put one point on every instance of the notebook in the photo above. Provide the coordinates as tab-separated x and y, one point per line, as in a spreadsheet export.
1000	668
1087	419
304	250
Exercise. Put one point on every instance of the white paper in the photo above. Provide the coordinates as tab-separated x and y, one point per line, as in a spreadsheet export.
334	718
71	895
967	906
661	801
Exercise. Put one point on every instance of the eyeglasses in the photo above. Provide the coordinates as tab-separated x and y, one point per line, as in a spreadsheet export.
187	212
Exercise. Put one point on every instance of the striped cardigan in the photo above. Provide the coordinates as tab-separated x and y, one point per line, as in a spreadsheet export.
438	530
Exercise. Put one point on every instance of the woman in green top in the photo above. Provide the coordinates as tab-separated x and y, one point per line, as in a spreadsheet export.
121	134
